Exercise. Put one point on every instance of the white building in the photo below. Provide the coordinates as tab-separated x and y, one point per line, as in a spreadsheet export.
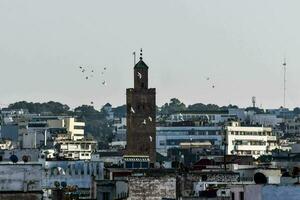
265	119
213	117
29	140
74	129
77	150
255	141
172	137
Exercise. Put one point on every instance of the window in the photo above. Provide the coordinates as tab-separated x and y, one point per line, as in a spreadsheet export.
136	165
106	196
232	196
78	127
128	165
145	165
241	195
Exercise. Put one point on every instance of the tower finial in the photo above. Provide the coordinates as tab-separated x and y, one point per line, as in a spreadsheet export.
141	54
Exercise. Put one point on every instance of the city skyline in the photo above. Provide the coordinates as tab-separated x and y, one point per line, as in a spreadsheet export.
199	52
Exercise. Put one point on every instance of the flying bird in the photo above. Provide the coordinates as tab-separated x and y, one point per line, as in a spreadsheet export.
144	122
139	75
104	83
150	138
150	119
132	110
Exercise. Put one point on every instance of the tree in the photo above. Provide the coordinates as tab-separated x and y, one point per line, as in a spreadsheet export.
120	111
296	110
50	107
96	124
173	106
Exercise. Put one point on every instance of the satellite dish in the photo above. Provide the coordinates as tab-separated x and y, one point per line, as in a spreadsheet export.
63	184
56	184
14	158
260	178
25	158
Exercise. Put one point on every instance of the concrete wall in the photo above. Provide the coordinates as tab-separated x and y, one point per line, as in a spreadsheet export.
78	173
152	188
33	154
22	196
20	177
9	132
272	192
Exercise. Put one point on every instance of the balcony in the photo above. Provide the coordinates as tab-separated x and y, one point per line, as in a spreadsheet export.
271	138
250	147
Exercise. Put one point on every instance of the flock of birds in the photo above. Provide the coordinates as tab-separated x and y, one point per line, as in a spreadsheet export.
89	73
212	84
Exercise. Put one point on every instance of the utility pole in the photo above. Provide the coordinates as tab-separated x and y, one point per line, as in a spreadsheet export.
134	58
225	148
284	82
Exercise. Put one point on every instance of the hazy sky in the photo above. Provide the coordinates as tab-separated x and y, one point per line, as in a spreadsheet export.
240	45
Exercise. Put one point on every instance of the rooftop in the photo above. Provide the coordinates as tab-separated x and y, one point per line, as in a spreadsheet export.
141	64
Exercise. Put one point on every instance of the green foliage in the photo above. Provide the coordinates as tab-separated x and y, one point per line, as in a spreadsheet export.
203	107
120	111
50	107
176	105
173	106
256	110
296	110
96	124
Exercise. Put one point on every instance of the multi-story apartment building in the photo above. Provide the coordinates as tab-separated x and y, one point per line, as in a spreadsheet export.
212	117
255	141
171	137
74	128
77	150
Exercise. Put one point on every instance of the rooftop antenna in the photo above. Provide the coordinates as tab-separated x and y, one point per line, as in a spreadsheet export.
284	82
134	58
254	101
